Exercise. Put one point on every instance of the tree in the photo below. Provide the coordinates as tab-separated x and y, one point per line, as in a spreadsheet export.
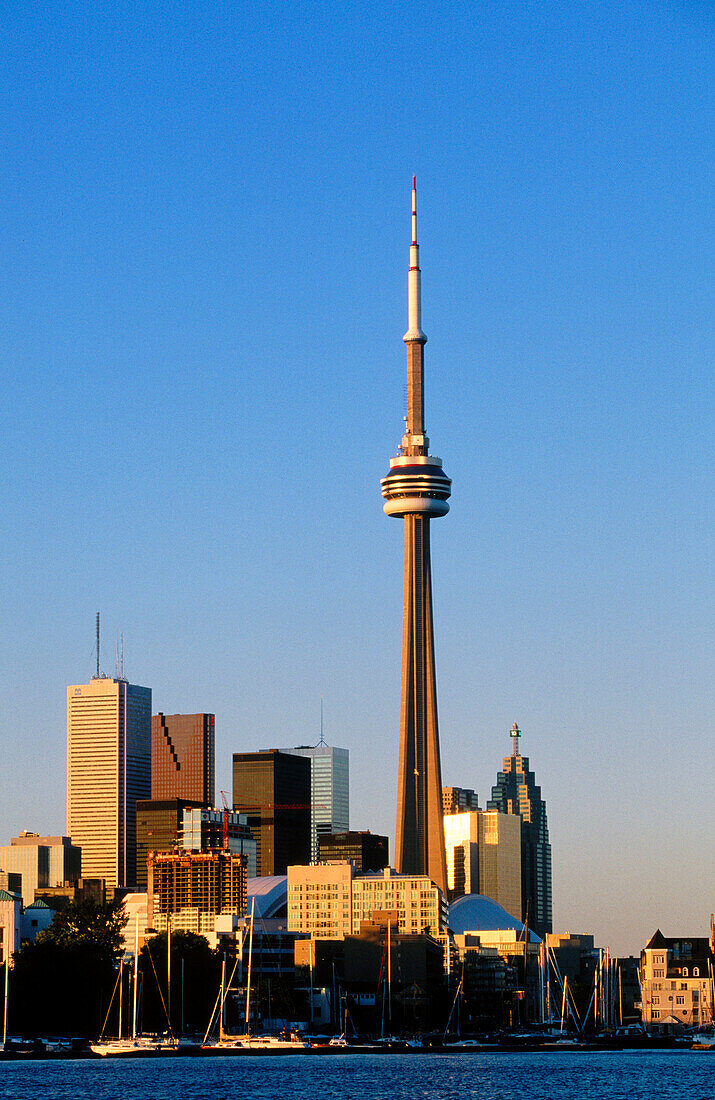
86	923
62	983
195	980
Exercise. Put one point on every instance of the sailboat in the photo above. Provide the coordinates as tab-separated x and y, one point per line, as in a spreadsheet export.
247	1042
134	1045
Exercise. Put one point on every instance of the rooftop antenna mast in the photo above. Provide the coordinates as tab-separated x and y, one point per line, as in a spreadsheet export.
322	739
121	655
97	677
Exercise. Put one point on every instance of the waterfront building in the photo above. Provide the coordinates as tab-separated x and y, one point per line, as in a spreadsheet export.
36	918
356	968
676	979
42	861
417	490
192	888
183	757
459	800
330	790
484	856
108	769
10	924
516	792
330	900
272	788
368	851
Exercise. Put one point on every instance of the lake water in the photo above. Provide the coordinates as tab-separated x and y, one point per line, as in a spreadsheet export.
560	1075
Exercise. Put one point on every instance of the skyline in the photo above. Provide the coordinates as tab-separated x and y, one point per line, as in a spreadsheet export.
203	310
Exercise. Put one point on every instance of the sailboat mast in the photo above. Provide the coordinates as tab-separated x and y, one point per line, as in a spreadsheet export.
250	959
389	973
136	974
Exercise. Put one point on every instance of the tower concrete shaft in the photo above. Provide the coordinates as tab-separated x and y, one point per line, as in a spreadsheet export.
417	489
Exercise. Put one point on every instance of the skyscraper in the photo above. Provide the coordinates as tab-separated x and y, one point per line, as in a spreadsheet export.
108	769
329	790
272	789
484	856
416	490
516	792
182	757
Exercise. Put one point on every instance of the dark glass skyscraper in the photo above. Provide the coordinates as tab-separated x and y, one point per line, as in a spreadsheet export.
273	789
516	792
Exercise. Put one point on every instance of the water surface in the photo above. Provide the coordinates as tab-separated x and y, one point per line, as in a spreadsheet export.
557	1075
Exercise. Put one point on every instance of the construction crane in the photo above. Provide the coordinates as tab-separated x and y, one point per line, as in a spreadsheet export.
224	821
259	807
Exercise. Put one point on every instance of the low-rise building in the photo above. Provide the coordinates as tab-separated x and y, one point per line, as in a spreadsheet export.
10	924
331	900
676	977
43	861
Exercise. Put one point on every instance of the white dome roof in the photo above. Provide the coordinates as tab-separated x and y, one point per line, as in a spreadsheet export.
477	913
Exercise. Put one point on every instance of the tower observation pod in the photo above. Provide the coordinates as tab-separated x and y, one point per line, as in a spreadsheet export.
417	489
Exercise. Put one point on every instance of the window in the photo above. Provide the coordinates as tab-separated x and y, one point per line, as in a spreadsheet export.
680	1000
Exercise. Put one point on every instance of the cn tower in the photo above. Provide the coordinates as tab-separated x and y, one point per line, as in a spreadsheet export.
416	490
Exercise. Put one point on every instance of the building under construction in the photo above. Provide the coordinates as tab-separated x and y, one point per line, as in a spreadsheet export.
193	888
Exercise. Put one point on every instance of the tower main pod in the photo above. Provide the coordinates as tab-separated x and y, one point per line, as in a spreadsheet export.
416	490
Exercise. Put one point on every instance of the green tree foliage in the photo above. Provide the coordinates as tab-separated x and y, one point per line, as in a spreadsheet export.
62	983
86	923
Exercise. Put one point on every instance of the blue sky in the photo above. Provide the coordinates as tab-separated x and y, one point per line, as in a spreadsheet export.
205	241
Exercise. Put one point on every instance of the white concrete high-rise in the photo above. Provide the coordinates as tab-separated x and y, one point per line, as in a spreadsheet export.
108	769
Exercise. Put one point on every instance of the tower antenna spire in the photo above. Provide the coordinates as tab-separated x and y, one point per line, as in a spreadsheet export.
97	645
414	292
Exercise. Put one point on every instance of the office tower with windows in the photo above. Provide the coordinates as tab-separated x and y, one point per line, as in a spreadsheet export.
367	851
108	769
416	490
329	791
516	792
484	857
41	861
272	789
183	757
459	800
